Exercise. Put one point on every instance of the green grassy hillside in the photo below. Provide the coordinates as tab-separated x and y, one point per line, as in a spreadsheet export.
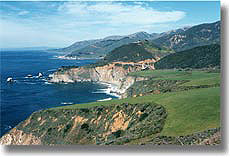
178	75
188	111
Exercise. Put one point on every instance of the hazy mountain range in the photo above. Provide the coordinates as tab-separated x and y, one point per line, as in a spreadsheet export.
100	47
177	40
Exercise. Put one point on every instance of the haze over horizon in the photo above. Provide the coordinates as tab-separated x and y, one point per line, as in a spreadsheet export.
59	24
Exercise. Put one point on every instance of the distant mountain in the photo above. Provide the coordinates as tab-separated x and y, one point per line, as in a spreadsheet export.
100	47
76	46
136	51
178	40
198	57
189	37
142	35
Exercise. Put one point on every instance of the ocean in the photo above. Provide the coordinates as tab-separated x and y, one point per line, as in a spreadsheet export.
26	95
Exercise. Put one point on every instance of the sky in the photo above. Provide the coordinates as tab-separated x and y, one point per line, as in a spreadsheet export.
59	24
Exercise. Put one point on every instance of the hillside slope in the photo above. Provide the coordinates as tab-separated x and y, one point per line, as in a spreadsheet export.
99	48
76	46
115	124
137	51
199	35
198	57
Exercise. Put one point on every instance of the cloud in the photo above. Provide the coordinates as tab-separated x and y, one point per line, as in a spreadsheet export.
119	13
62	23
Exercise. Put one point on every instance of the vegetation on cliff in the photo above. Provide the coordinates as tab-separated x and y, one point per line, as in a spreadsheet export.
114	124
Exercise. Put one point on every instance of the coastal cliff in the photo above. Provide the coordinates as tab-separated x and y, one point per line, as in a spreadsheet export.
114	124
121	124
115	73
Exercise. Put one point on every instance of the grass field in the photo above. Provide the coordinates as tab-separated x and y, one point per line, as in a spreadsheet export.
195	78
188	111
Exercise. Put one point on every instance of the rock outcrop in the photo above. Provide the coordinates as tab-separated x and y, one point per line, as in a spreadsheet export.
115	73
18	137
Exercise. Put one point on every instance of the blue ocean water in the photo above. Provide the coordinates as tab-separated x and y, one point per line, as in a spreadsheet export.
26	95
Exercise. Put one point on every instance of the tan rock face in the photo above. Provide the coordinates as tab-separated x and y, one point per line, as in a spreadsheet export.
18	137
119	122
112	73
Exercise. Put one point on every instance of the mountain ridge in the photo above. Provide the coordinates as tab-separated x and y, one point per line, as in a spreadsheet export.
198	35
177	39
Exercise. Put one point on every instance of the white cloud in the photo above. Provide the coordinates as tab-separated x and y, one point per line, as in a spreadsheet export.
118	13
73	21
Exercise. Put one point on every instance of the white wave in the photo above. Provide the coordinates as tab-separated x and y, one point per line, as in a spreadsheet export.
114	94
110	90
52	70
30	77
8	127
67	103
64	58
47	82
38	77
107	99
29	83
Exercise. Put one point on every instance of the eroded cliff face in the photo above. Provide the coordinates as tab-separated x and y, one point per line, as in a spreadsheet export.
18	137
122	124
115	124
115	73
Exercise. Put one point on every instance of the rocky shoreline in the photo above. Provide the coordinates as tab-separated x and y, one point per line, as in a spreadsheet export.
111	89
114	75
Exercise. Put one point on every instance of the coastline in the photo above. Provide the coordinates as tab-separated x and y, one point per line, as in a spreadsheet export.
111	89
75	58
114	77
